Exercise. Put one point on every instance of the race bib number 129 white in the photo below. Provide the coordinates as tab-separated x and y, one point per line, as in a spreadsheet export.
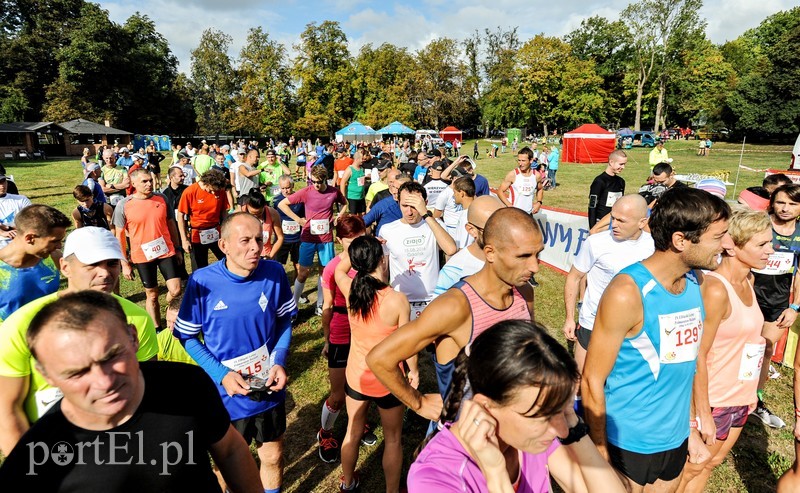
680	336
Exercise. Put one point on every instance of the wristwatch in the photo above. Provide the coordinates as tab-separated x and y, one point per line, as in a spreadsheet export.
577	432
427	215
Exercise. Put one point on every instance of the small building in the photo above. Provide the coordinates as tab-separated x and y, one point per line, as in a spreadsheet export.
80	133
16	137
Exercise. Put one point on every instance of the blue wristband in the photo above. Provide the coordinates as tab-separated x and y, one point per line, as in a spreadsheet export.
795	307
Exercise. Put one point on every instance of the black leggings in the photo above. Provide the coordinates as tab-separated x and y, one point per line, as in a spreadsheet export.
200	254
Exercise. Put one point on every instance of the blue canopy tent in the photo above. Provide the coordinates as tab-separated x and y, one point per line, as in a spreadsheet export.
395	128
357	131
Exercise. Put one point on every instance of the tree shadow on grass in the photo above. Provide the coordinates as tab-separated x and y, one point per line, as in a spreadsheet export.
751	457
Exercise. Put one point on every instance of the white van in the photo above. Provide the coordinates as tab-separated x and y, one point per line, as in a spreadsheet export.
433	134
794	164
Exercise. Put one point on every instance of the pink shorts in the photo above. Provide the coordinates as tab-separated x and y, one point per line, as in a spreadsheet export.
729	417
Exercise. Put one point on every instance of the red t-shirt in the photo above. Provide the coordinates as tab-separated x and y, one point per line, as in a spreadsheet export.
339	166
203	208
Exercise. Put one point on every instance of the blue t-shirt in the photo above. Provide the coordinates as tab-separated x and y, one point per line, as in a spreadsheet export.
481	185
384	212
97	191
552	159
419	173
299	209
246	324
21	286
125	161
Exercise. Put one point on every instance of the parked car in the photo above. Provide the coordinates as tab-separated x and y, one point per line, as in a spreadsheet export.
643	139
433	134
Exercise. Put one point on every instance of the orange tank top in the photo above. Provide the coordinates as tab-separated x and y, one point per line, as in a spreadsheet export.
365	335
735	358
267	230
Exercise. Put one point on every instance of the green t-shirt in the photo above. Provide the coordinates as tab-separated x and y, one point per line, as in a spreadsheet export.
202	163
16	360
170	349
375	188
270	174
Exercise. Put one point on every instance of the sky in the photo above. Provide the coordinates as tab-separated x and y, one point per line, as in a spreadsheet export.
411	23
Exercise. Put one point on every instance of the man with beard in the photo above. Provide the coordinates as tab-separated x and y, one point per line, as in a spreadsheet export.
640	364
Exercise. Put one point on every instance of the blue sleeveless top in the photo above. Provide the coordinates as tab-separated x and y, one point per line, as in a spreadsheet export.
649	389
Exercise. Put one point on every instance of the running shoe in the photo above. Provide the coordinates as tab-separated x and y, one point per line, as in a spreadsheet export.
773	373
328	446
318	310
353	486
303	300
368	438
767	416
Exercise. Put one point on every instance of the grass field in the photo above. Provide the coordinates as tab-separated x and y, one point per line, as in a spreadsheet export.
761	455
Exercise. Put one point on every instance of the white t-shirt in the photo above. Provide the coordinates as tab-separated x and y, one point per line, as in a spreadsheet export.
601	258
462	238
460	265
434	188
413	258
523	190
446	202
10	205
189	174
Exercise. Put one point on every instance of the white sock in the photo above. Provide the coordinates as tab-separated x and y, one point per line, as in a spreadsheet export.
328	416
319	292
298	291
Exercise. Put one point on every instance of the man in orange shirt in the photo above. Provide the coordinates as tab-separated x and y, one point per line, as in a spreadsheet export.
148	222
205	204
343	160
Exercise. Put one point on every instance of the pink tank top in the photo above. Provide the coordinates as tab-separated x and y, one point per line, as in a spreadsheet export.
485	315
735	358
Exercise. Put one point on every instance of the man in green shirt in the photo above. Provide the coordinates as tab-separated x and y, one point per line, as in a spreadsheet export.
271	170
91	261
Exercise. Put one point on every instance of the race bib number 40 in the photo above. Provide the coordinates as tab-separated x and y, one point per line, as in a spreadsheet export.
154	249
680	336
255	363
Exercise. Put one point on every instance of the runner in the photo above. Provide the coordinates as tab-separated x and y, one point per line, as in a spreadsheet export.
243	307
435	184
254	203
464	195
316	236
600	258
114	180
89	212
375	310
607	187
28	264
412	244
513	431
290	227
384	168
91	261
642	355
387	211
247	174
145	220
352	184
336	330
731	348
73	340
271	170
204	205
773	284
499	291
521	184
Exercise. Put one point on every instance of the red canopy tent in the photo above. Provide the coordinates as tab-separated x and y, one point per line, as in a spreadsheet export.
450	134
588	143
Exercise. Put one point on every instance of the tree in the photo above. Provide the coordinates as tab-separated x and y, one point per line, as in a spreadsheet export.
324	70
378	85
501	102
265	100
213	82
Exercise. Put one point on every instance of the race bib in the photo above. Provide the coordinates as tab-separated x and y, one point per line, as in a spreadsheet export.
274	190
752	358
45	399
320	226
266	236
255	363
361	180
154	249
416	308
341	173
612	198
526	189
290	227
208	236
778	263
680	336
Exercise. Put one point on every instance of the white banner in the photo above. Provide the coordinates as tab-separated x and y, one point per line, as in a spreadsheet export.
564	233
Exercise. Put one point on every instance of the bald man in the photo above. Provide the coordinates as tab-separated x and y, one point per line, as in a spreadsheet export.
601	257
499	291
469	260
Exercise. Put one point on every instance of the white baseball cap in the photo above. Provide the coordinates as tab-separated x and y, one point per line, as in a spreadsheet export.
91	245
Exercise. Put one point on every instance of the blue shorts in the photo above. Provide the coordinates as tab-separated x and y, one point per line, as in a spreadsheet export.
324	250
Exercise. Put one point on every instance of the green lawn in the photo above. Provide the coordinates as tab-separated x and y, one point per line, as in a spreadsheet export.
760	457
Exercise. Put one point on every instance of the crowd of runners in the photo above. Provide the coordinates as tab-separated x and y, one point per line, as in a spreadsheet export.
675	303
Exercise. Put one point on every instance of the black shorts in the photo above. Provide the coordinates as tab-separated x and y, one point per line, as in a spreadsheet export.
645	469
773	311
147	271
286	250
337	355
584	335
265	427
388	401
356	206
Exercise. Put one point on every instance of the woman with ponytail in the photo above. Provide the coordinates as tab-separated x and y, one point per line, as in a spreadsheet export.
375	310
255	203
517	427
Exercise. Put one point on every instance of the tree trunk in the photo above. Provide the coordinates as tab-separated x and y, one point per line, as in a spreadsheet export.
637	125
662	88
544	127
